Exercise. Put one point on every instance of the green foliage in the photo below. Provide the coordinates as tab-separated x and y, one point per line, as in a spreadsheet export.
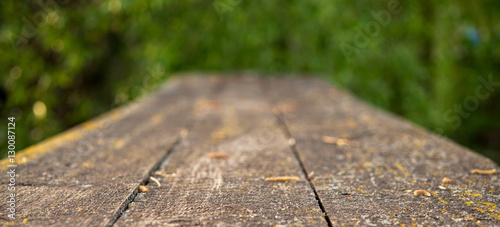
82	58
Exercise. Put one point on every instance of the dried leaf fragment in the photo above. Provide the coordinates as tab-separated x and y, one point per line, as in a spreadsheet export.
335	140
184	133
218	155
447	180
156	181
421	192
282	179
484	172
143	188
219	134
309	176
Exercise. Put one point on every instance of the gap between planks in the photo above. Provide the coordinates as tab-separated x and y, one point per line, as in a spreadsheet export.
124	207
289	136
302	166
264	85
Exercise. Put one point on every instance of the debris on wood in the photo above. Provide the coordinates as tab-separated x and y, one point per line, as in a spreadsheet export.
284	108
119	143
219	134
223	133
184	133
156	119
282	179
309	176
156	181
421	192
447	180
336	140
158	173
218	155
143	188
483	172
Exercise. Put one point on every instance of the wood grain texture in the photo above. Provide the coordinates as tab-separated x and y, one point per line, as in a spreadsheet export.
371	180
199	190
112	159
67	205
213	141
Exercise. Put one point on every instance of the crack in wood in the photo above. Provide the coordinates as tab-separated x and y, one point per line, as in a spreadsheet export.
124	207
288	135
180	135
297	156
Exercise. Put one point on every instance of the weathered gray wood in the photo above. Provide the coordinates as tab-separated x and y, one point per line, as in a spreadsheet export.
107	161
89	174
68	205
372	179
198	190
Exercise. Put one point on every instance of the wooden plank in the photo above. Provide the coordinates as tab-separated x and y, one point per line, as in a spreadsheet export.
100	170
67	205
365	171
199	190
370	178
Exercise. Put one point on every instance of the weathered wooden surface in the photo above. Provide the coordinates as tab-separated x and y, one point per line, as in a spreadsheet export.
90	175
371	179
106	162
197	189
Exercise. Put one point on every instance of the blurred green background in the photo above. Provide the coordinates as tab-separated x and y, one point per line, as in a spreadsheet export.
66	61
